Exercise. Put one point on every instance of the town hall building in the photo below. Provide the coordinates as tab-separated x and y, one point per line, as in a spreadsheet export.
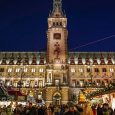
57	75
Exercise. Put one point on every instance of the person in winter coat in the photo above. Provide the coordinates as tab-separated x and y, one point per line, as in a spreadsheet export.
40	111
32	111
9	110
99	110
72	111
106	110
3	112
57	110
48	111
88	110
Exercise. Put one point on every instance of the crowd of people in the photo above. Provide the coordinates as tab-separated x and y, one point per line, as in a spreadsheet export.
69	109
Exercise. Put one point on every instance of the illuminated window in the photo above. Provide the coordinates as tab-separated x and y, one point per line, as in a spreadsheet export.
27	83
41	70
24	83
81	83
17	70
73	83
15	84
40	83
111	70
32	83
40	95
33	70
57	82
25	70
36	83
9	70
49	79
81	70
72	70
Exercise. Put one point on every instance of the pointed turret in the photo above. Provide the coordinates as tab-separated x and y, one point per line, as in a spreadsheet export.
26	59
80	60
72	60
11	62
4	60
87	60
41	60
34	60
57	9
95	60
109	59
19	59
102	59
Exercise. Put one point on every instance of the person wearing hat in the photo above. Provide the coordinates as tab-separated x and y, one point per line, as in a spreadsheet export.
72	111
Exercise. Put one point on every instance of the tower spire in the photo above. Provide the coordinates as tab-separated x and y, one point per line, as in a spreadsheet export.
57	34
57	8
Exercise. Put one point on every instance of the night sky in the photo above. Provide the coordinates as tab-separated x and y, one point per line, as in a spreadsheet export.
23	24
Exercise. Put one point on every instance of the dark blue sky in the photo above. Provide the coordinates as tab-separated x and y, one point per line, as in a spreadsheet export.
23	24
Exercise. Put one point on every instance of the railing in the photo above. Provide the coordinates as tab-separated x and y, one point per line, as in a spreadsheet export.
54	85
87	86
60	85
25	87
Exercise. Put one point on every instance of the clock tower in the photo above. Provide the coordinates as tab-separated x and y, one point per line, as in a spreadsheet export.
57	34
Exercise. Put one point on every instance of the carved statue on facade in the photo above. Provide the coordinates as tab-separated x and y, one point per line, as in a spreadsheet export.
57	50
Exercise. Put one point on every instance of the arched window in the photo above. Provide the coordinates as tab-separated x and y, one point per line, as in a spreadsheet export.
53	23
41	70
57	24
33	70
60	23
40	83
9	70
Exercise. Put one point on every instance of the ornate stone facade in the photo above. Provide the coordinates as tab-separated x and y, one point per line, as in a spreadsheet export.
57	75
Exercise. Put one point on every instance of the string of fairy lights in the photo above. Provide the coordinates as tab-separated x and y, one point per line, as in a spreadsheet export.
93	42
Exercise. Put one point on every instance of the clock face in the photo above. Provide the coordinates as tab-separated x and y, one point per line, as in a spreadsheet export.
57	36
